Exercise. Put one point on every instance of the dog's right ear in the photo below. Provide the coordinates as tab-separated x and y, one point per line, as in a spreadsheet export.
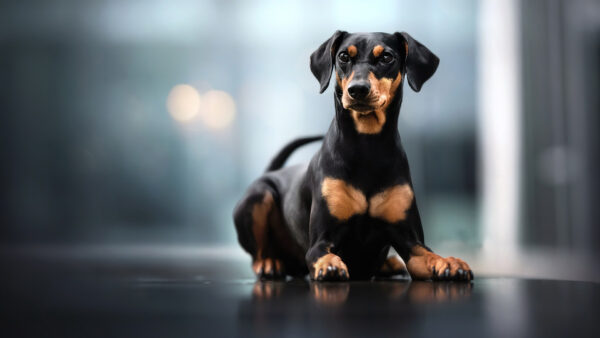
323	59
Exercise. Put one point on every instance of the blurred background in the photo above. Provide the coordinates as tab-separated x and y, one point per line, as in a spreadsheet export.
138	124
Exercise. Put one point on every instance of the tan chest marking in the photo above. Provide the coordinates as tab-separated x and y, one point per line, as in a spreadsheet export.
343	200
392	204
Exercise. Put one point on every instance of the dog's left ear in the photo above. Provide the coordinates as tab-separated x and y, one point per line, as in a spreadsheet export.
420	63
322	60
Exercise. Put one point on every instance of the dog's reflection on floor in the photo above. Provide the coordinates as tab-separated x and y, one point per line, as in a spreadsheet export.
430	292
334	294
291	304
330	293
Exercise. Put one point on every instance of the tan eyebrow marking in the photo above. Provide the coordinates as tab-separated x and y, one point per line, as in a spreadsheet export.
377	50
352	51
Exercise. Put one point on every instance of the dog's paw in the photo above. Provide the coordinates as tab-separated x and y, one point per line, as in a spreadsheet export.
432	266
329	268
268	268
451	268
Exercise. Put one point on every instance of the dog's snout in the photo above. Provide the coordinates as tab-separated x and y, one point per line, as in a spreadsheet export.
359	90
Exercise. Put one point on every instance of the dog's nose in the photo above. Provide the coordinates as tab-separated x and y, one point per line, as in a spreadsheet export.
359	90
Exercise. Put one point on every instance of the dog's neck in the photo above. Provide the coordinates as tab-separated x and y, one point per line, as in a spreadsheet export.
344	132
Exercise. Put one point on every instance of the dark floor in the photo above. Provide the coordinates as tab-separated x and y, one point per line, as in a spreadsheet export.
147	297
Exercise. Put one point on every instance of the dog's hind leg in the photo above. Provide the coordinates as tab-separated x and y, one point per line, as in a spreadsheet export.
255	217
393	266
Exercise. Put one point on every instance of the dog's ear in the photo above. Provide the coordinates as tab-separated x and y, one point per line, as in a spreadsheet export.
323	59
420	62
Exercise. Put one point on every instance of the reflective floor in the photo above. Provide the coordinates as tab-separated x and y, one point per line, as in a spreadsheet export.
217	297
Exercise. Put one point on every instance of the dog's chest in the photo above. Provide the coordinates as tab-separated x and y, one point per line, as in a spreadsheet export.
345	200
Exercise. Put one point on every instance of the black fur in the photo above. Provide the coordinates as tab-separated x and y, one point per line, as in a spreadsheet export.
369	162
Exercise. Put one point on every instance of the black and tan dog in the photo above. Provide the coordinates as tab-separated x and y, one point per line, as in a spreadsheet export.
337	217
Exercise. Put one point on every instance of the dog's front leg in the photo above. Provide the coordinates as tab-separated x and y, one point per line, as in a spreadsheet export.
421	261
323	264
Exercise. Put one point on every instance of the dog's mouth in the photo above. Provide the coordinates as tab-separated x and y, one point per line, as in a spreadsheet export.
366	107
362	108
363	115
368	118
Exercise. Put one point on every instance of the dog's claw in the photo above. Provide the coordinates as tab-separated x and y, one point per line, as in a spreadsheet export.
448	269
329	267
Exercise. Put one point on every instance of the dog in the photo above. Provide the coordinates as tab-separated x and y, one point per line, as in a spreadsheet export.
337	217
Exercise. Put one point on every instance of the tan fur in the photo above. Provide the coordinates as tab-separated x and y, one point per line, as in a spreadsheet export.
370	123
422	262
352	51
392	265
267	266
392	204
260	213
329	260
343	83
377	50
418	250
381	95
343	200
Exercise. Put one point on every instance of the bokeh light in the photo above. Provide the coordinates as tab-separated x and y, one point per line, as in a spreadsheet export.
217	109
183	102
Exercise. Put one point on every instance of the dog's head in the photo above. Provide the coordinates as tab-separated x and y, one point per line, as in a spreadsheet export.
370	68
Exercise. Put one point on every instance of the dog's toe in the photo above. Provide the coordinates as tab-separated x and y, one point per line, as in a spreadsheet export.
449	269
330	268
268	268
459	270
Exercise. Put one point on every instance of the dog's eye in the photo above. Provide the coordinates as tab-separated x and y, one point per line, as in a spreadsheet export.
344	57
387	58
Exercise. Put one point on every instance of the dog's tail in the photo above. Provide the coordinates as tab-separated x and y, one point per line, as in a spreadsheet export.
279	160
